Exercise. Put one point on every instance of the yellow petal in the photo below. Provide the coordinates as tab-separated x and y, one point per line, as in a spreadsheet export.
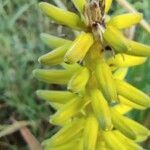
107	5
101	145
69	110
138	49
125	20
72	67
123	60
120	123
61	97
141	132
131	93
129	127
120	73
67	146
112	141
61	16
67	133
79	80
53	41
115	39
101	109
122	109
90	133
53	76
54	57
79	4
93	55
127	102
129	144
105	82
56	106
79	48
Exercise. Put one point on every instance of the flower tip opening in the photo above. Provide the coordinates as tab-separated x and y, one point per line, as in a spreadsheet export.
42	4
40	60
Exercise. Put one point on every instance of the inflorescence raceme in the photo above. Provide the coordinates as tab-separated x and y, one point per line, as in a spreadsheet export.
91	112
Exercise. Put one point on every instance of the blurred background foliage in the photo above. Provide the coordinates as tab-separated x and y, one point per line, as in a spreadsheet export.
21	23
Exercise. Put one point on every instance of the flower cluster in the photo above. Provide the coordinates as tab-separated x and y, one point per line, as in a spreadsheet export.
92	111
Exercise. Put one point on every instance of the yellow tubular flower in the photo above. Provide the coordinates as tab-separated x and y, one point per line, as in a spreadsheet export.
101	145
128	127
123	60
79	48
56	96
107	5
122	108
53	76
54	57
65	134
91	108
106	82
127	102
138	49
126	141
53	41
90	133
121	125
56	106
101	109
67	146
115	39
67	111
79	4
112	141
132	93
141	132
73	67
61	16
120	73
121	21
79	80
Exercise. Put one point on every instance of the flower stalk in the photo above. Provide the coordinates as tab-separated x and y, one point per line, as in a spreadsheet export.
91	111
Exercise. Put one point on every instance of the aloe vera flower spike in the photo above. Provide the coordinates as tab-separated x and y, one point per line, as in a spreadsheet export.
91	110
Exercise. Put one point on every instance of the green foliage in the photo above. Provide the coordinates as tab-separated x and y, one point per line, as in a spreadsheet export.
20	47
